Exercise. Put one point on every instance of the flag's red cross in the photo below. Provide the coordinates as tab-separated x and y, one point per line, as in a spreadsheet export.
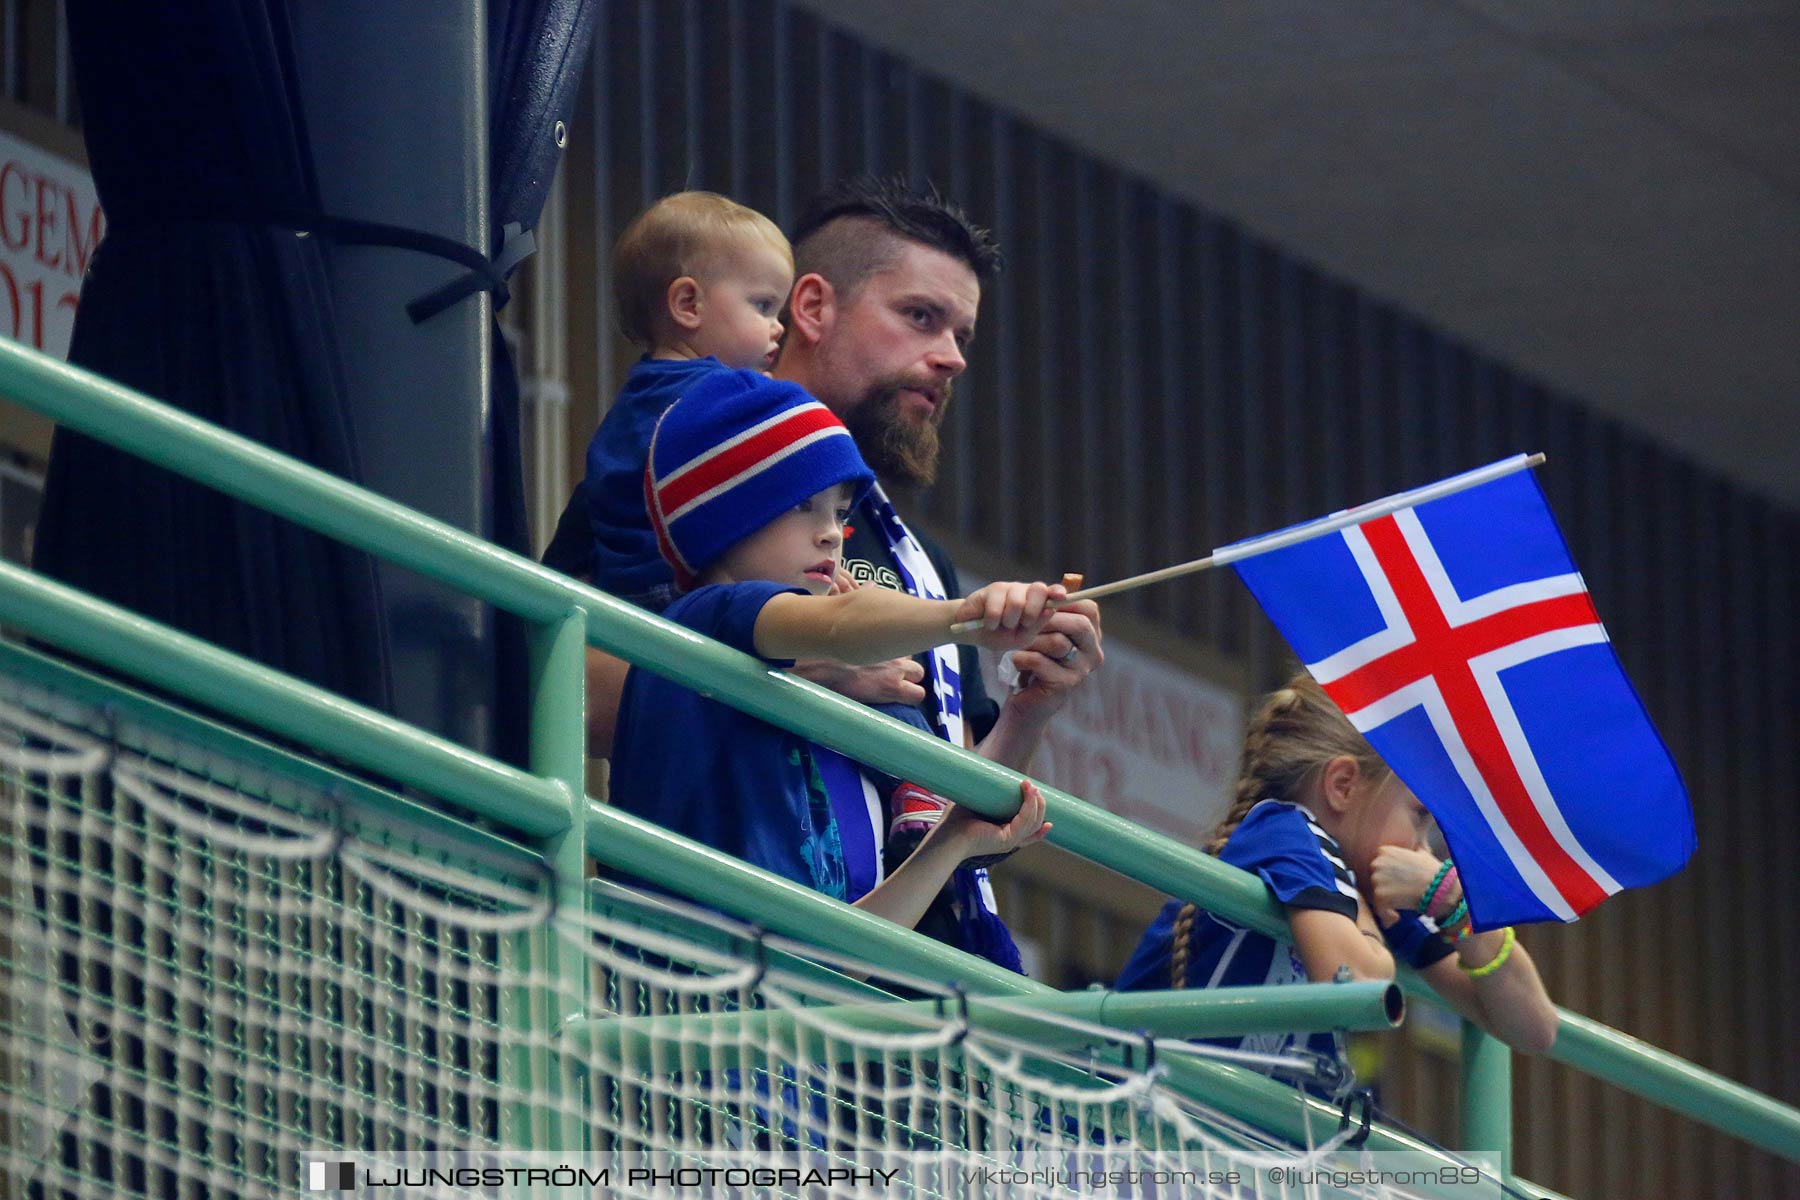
1442	651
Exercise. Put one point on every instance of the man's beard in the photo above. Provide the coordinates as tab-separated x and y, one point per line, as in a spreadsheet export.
898	448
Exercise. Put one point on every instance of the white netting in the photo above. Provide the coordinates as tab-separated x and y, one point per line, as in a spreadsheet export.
208	976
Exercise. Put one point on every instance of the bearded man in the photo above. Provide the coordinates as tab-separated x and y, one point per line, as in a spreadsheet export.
881	314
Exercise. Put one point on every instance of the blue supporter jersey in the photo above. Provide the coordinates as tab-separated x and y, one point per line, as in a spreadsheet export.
738	784
1304	868
626	560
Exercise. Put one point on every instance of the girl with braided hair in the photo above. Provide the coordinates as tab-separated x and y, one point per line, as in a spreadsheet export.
1341	842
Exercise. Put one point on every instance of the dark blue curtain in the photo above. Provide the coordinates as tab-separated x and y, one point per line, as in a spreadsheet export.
536	52
202	297
194	128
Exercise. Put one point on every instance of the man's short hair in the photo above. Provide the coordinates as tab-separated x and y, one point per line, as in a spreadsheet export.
687	233
857	227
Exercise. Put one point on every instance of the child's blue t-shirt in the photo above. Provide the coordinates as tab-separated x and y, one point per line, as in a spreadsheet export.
626	559
1304	867
736	783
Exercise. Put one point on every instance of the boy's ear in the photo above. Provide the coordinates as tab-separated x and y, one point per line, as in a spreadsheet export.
684	303
812	307
1338	781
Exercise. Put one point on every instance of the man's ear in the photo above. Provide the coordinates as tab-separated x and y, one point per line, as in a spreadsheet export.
684	301
812	307
1338	781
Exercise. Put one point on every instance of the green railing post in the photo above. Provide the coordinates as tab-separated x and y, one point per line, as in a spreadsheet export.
559	742
1486	1095
559	754
793	910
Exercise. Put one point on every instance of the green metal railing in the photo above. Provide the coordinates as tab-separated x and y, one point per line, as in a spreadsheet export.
547	804
55	614
1676	1084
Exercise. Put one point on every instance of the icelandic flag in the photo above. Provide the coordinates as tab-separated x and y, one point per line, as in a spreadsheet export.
1452	628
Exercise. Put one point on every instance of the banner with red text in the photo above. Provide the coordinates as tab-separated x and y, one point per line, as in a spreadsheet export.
1152	742
50	224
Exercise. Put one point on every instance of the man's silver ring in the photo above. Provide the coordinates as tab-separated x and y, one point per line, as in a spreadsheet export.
1068	660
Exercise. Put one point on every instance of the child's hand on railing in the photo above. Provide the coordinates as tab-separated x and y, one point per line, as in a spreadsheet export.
978	837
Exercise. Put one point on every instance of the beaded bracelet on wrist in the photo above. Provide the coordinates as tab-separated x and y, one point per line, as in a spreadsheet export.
1430	893
1456	916
1495	963
1452	888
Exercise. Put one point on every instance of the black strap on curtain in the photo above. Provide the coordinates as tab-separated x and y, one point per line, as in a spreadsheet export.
481	273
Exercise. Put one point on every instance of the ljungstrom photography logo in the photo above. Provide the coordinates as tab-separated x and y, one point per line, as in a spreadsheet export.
331	1176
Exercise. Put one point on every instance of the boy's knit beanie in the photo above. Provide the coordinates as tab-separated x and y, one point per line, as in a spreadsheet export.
735	452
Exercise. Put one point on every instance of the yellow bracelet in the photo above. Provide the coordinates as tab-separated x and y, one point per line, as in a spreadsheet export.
1495	963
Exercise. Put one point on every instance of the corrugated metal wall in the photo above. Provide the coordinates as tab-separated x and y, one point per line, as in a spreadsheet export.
1149	382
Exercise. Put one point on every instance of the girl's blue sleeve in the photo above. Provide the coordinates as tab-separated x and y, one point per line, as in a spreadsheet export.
1300	862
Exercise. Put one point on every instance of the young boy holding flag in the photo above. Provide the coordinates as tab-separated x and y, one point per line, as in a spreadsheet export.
747	486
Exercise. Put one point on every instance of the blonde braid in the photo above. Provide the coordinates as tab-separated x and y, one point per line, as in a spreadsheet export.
1179	946
1296	732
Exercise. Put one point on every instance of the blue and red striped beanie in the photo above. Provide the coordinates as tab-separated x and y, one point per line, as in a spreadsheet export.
735	452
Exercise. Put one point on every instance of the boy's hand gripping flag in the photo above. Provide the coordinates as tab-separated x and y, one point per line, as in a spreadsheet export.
1452	628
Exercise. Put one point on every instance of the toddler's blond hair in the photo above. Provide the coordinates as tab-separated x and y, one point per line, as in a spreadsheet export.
688	233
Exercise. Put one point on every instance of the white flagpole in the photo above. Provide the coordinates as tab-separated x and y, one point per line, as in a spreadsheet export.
1372	511
1303	533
